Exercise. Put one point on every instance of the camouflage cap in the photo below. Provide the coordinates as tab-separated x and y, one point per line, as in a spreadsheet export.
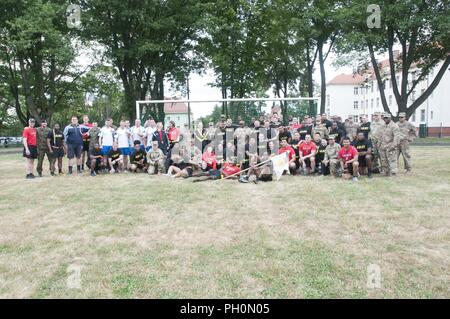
377	113
402	114
387	115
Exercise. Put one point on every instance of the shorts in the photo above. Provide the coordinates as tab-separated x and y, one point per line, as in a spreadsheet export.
308	162
362	161
106	149
33	152
57	152
265	178
125	151
74	150
189	171
85	146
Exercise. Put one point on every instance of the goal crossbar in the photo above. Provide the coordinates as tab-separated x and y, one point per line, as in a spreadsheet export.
138	103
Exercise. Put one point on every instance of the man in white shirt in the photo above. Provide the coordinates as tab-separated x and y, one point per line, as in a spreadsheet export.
137	133
106	140
122	137
148	135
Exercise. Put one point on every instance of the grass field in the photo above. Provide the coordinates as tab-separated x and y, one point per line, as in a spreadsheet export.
136	236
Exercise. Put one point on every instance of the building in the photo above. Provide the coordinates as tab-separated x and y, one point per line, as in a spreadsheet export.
349	94
177	112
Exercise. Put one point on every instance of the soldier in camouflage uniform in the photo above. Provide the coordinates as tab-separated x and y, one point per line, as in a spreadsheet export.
42	133
321	129
388	145
408	134
351	128
331	161
94	131
374	135
155	160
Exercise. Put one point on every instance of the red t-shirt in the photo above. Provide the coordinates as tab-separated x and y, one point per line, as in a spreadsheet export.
306	148
173	134
85	135
348	154
210	160
289	150
30	134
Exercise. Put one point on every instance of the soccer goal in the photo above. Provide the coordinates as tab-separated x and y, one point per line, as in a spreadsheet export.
184	112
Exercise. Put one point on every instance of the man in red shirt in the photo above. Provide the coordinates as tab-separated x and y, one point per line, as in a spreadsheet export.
307	152
286	148
348	156
30	147
209	161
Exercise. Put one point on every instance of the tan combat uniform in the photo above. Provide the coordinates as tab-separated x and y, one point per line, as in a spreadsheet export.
331	154
43	150
374	135
351	129
93	136
321	129
388	145
155	160
408	133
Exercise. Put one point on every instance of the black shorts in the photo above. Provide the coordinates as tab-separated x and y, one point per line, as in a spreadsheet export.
308	162
57	152
362	161
265	178
74	150
189	171
85	146
33	152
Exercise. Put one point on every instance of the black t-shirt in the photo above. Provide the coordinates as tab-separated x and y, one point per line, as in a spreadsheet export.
305	130
327	123
365	128
294	145
320	154
284	135
114	154
95	152
56	138
362	146
137	156
337	135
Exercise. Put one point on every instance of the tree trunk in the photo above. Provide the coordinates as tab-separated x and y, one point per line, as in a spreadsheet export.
323	85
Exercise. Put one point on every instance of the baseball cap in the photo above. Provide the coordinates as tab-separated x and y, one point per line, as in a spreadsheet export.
402	114
387	115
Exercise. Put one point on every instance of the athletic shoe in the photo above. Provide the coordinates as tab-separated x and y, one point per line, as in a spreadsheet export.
79	171
243	179
53	174
370	176
93	174
355	179
61	173
40	174
28	176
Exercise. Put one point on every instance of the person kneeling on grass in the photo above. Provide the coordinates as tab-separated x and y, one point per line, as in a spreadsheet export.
115	159
286	148
348	157
364	148
155	159
96	159
138	158
307	152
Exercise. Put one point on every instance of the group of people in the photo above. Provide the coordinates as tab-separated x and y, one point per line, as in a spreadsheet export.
313	146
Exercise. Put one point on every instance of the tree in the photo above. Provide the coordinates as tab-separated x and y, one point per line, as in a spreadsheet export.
37	58
421	31
146	40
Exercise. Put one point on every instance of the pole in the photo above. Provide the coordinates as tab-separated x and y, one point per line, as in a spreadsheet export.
189	103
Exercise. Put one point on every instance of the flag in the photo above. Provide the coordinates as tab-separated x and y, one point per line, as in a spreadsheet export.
280	164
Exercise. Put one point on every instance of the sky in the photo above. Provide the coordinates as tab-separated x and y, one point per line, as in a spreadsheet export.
200	90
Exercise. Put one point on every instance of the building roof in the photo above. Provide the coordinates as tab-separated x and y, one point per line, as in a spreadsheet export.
347	79
177	108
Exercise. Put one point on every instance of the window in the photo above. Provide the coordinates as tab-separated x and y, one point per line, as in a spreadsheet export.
390	100
371	87
431	115
413	95
378	102
371	103
178	118
168	118
355	105
362	104
398	80
355	91
413	117
367	103
355	119
422	115
390	84
328	100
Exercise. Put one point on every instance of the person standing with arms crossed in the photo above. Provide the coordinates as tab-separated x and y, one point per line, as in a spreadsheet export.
30	147
43	150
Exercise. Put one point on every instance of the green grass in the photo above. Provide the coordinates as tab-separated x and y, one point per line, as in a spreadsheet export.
137	236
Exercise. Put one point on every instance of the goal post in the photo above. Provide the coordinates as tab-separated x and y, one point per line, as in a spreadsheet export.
189	102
